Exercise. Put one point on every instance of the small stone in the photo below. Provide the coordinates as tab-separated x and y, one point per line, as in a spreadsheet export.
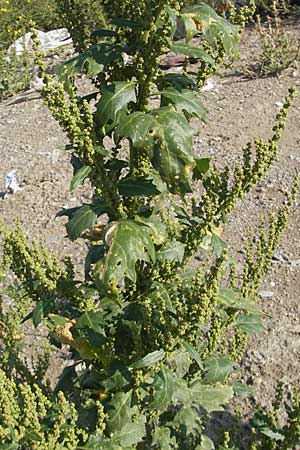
279	104
295	263
266	294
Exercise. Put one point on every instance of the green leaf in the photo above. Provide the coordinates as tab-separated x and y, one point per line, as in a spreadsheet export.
159	290
209	397
206	443
127	241
157	229
178	81
272	435
95	253
124	23
11	446
103	33
114	101
132	432
79	177
92	61
161	438
184	100
188	419
193	353
218	245
120	410
173	19
41	310
190	27
243	390
140	186
84	219
217	369
149	360
168	137
164	387
174	250
202	166
249	323
192	52
214	27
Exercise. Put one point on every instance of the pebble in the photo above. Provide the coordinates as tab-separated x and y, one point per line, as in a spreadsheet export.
266	294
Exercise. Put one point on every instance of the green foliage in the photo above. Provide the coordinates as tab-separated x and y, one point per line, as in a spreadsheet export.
153	343
279	49
81	18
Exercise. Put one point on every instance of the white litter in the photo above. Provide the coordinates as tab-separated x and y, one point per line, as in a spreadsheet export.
48	41
11	183
209	85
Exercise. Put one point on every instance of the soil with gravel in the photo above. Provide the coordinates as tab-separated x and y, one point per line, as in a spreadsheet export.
240	109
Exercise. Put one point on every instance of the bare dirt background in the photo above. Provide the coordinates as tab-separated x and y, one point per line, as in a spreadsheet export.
239	110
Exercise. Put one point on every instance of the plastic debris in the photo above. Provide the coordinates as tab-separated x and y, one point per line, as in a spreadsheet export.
280	256
48	41
209	85
11	183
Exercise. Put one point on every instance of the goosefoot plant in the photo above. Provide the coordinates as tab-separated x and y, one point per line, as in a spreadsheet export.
153	341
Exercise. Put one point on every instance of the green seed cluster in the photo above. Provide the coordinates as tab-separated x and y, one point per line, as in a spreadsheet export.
222	191
27	416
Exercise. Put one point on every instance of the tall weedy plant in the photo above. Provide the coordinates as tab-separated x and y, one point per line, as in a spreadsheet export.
154	342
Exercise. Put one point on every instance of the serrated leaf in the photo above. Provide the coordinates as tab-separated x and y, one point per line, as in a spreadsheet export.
92	61
167	136
83	219
174	250
184	100
249	323
149	360
214	27
217	369
189	420
193	353
157	229
128	241
79	177
192	52
140	186
202	166
114	100
162	439
209	397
